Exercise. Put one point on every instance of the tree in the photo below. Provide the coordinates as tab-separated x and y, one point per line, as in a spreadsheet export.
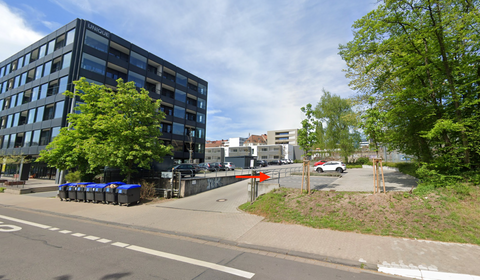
340	124
118	128
421	61
311	129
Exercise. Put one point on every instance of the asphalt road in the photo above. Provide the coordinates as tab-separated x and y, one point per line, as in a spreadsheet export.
43	246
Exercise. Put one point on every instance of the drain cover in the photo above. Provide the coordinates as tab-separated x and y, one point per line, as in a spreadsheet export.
221	200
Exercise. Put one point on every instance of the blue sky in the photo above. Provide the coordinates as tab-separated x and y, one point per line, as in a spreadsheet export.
263	59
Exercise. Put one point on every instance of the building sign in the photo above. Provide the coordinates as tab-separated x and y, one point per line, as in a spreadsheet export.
98	30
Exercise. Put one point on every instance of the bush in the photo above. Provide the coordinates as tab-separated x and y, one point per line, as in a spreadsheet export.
430	176
2	189
298	161
362	160
73	177
147	190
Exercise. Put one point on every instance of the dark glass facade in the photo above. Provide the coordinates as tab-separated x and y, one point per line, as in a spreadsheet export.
32	108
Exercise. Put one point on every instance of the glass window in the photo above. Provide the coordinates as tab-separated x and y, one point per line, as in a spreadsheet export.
52	88
66	60
31	116
202	89
63	84
60	42
17	81
38	72
13	101
9	121
43	91
16	118
11	144
7	69
178	128
35	93
28	139
23	79
49	112
1	105
35	138
6	138
42	51
179	112
200	118
199	147
201	103
44	137
55	132
27	59
70	37
2	72
51	46
93	64
23	118
182	80
59	109
48	68
40	111
19	99
137	78
138	60
20	62
4	86
95	41
27	96
180	95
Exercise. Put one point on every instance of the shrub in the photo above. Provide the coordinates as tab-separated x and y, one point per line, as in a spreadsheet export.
362	160
147	190
2	189
73	177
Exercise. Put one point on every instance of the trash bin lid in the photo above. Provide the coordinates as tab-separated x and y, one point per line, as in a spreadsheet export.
116	183
97	185
85	183
126	187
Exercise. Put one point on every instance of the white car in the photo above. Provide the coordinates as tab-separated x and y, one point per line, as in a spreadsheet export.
229	166
337	166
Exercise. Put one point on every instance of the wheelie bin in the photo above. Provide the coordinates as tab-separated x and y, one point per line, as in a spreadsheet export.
99	193
63	192
72	192
90	192
128	194
81	193
111	195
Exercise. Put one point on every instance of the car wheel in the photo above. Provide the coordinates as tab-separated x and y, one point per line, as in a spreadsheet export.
319	170
339	170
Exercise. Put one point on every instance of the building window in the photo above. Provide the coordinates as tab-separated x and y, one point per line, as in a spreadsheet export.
35	138
167	110
167	93
42	51
31	116
166	128
70	37
200	118
59	109
43	91
178	128
179	112
137	78
114	74
51	46
96	41
55	132
47	68
40	111
168	76
23	79
181	80
23	118
191	101
11	143
62	87
38	72
200	132
35	91
28	139
138	60
199	148
60	42
19	99
180	95
66	60
27	59
13	101
52	88
20	62
45	137
201	103
49	112
202	89
30	75
264	157
93	64
16	119
191	117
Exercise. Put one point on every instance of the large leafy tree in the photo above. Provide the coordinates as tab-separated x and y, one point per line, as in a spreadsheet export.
420	59
118	128
340	132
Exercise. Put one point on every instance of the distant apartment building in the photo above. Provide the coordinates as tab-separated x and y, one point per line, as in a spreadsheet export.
283	136
255	140
268	152
214	154
235	142
238	151
215	143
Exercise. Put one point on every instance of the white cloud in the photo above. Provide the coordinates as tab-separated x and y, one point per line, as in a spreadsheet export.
16	34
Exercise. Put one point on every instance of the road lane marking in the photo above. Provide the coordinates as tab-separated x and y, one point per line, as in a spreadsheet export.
25	222
9	228
103	240
120	244
214	266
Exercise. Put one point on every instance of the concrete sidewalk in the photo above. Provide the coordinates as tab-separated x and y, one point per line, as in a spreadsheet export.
222	223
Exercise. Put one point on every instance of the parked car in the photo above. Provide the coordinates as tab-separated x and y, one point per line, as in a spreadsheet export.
320	162
275	162
185	169
219	166
207	166
262	163
284	161
289	161
331	166
229	166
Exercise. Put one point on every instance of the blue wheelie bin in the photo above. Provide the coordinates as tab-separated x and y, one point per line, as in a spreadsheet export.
111	192
128	194
99	192
63	192
81	192
72	192
90	193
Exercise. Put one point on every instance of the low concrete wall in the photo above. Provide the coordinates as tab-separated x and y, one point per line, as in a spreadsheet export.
30	190
197	185
262	188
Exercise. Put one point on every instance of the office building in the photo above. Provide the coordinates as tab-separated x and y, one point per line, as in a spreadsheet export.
283	136
33	109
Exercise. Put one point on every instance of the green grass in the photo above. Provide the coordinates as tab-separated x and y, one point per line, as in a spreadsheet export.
433	216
